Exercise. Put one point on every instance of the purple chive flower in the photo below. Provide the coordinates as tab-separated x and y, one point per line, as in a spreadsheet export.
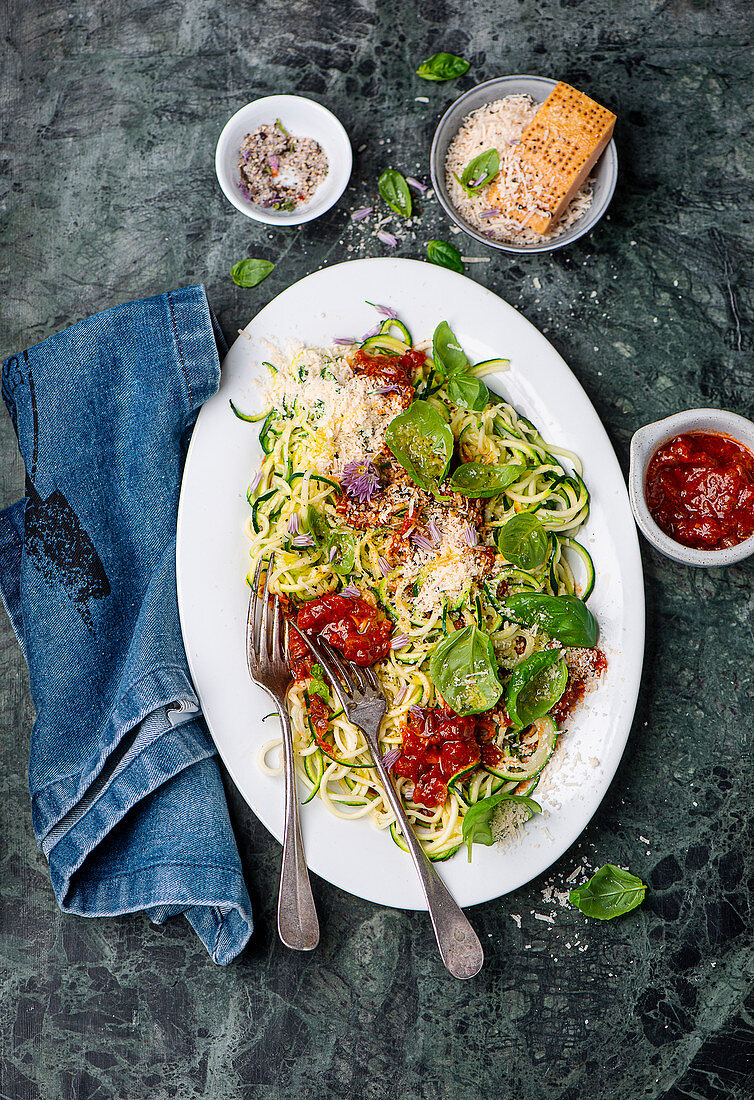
372	332
302	542
385	567
344	340
390	759
293	524
363	212
387	238
472	538
351	592
416	185
434	531
387	389
256	481
422	541
333	553
360	481
491	213
398	698
273	162
417	712
399	641
386	311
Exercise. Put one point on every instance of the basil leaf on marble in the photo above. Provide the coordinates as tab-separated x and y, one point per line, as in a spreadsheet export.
448	355
535	686
481	479
318	685
565	618
477	821
468	392
464	671
421	441
480	171
445	255
395	191
249	273
443	66
523	541
610	892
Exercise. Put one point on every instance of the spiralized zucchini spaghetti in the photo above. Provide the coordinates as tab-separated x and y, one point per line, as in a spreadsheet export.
421	525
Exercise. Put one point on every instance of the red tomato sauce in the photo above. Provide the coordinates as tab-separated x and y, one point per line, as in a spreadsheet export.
700	490
593	663
357	629
438	743
395	370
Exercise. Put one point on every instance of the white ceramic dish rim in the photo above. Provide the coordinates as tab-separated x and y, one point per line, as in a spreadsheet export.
646	441
567	238
332	186
212	562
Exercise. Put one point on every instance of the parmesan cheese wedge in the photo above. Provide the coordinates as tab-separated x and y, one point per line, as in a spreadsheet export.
556	153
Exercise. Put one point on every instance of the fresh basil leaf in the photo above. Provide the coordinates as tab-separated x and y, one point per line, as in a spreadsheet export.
449	358
250	272
535	686
477	828
318	685
421	441
326	538
464	671
445	255
565	618
468	392
610	892
394	190
523	541
442	66
480	479
480	171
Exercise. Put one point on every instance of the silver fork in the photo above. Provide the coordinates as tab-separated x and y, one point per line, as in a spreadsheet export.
265	653
362	698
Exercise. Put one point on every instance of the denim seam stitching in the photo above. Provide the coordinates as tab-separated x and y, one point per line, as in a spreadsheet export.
168	863
178	345
220	917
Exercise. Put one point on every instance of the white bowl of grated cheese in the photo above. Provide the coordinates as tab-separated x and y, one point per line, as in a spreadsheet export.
456	131
301	118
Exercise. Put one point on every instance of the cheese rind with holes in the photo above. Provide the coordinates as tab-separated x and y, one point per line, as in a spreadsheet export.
557	151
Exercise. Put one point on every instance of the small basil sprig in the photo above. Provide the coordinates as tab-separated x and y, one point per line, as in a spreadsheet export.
445	255
565	618
421	441
480	479
442	66
477	827
394	190
468	392
610	892
479	172
464	671
318	685
535	686
448	355
248	273
523	541
327	538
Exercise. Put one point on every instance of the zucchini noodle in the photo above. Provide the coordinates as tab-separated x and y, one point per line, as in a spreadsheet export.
307	438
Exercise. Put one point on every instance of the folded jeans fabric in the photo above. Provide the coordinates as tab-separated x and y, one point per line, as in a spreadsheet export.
127	799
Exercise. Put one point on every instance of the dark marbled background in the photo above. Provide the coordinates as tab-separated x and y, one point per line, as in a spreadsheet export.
111	111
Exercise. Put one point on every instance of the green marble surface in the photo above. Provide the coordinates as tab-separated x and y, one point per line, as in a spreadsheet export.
110	113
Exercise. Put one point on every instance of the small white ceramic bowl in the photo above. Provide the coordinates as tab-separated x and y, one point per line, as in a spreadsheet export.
605	172
643	446
303	118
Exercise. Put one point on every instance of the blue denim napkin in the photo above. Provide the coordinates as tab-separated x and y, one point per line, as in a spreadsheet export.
127	800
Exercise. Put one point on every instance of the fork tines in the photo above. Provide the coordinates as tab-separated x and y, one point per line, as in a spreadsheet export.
263	646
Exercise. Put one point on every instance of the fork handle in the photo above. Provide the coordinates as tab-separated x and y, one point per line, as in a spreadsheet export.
459	944
298	926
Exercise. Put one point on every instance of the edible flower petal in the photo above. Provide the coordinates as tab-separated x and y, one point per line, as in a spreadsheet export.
361	213
390	759
399	641
360	481
416	184
387	238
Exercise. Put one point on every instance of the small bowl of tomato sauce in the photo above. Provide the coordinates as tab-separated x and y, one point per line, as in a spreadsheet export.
691	485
